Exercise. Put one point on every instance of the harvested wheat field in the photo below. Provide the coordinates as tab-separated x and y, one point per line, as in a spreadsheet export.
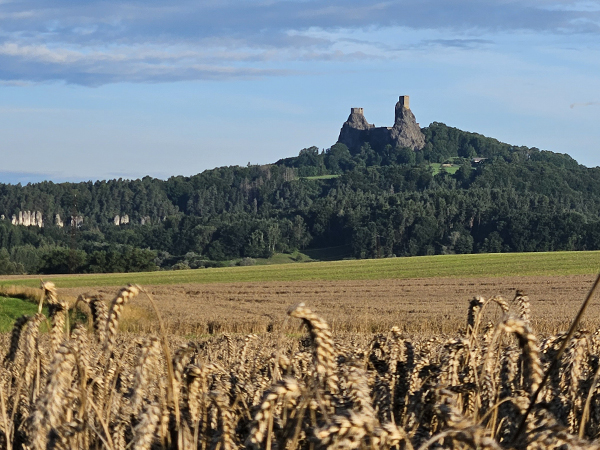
429	305
482	386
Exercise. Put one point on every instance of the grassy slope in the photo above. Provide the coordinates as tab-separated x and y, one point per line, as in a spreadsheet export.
481	265
437	168
11	309
281	258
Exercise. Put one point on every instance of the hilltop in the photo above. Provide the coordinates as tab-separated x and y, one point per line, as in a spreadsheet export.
377	192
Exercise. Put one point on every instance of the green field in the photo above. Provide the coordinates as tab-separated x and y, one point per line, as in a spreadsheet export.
13	308
480	265
283	258
437	168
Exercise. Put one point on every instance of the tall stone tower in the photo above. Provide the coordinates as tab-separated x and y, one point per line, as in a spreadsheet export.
406	131
404	101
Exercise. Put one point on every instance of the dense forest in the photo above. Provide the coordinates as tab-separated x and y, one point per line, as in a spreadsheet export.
376	202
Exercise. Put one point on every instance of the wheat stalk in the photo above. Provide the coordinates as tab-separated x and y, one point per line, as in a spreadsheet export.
114	314
324	350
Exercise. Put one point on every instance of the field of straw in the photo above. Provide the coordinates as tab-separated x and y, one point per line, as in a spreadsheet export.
427	306
481	386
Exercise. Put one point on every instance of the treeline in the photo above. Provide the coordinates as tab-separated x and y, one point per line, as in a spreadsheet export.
382	202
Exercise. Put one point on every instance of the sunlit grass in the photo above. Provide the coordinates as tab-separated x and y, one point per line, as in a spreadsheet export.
437	168
479	265
13	308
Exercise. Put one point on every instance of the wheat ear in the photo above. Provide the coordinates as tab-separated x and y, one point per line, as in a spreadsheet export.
324	350
114	314
288	388
143	433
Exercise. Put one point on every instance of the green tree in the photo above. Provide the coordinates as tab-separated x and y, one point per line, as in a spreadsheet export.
338	159
62	260
8	267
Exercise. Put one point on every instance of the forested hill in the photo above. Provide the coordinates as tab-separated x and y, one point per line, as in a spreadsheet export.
462	193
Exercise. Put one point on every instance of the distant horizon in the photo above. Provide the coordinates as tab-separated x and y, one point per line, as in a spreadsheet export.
24	178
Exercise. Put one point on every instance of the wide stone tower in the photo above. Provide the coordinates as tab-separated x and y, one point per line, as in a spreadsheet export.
405	132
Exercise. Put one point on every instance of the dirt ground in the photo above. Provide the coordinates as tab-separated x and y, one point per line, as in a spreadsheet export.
416	305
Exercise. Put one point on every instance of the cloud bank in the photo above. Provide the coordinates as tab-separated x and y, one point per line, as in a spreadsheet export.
94	43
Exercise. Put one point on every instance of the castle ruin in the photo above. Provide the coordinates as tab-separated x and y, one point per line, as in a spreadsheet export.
406	132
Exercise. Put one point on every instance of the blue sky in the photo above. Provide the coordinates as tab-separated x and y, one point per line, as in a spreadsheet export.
108	89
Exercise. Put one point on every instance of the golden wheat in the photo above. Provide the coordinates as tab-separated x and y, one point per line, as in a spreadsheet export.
95	388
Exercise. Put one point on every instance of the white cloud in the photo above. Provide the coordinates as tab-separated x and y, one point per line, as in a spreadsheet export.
39	52
18	83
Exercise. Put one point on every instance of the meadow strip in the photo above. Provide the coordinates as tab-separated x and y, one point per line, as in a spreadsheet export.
440	266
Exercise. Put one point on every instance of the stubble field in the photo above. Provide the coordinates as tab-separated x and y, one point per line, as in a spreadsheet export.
416	306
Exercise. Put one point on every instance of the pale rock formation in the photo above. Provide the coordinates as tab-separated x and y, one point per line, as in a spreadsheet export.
28	219
121	220
76	221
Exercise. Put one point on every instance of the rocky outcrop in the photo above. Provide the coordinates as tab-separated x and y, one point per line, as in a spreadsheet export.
28	219
121	220
353	130
76	221
405	132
